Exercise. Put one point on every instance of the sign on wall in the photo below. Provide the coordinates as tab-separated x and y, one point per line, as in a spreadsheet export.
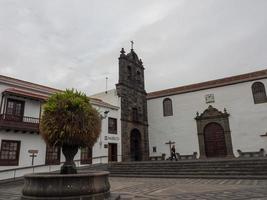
113	138
209	98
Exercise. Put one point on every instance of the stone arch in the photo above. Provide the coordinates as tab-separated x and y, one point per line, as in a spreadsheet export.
135	145
220	122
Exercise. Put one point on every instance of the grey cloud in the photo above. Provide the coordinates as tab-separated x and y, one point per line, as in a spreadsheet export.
67	44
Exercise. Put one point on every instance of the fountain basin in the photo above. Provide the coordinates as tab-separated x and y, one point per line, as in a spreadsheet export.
93	185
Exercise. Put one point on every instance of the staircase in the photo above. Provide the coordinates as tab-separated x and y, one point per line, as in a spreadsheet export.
219	168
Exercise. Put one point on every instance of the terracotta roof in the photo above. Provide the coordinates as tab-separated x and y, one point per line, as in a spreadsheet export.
209	84
34	90
27	94
27	85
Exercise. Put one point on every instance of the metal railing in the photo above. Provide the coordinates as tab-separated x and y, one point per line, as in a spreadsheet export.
15	118
15	173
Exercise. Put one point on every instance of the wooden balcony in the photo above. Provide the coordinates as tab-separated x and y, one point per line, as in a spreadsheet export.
17	123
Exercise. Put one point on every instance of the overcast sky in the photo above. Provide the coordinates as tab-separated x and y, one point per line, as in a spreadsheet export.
76	43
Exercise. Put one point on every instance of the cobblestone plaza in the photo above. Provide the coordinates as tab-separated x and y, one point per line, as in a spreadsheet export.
168	189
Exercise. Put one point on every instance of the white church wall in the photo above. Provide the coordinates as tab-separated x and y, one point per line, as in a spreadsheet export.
109	96
247	120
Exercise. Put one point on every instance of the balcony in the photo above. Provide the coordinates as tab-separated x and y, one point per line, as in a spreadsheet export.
17	123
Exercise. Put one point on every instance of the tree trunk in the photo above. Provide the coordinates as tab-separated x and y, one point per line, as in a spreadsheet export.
69	151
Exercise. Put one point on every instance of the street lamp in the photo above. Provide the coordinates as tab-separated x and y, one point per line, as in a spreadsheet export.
103	117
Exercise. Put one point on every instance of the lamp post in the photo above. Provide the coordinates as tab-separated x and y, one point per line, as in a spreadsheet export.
103	117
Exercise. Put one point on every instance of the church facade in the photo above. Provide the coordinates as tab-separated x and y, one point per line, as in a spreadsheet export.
213	119
216	118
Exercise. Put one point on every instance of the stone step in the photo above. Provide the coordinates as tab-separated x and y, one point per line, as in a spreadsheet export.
196	168
251	177
186	167
193	163
188	170
200	172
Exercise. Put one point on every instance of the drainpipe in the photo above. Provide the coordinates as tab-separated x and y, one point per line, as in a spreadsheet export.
3	94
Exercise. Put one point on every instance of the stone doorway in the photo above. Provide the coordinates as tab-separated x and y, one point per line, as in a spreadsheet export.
214	140
214	135
135	145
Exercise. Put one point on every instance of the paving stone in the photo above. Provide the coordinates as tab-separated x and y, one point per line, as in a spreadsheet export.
170	189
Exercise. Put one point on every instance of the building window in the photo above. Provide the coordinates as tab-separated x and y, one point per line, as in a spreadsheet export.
129	71
258	91
112	125
154	149
86	155
167	107
138	78
135	114
14	110
52	155
9	154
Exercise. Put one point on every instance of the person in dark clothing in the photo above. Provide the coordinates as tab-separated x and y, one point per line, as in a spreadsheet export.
173	153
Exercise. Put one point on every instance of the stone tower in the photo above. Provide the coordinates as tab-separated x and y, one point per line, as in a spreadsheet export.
131	90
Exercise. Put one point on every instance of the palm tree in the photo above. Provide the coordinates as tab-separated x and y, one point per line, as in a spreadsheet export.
70	121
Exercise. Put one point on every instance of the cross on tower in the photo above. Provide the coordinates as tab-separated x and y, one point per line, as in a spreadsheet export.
132	45
170	143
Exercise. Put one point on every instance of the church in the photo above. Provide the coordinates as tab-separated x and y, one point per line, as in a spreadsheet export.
223	118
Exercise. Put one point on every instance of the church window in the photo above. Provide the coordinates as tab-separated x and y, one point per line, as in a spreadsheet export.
258	91
135	114
129	70
167	107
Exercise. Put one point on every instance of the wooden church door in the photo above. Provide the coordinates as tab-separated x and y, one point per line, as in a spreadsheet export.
215	145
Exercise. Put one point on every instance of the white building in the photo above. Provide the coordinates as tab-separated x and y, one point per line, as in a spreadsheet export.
20	112
215	118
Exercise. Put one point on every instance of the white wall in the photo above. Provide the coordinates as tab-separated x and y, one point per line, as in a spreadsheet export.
99	149
247	120
110	97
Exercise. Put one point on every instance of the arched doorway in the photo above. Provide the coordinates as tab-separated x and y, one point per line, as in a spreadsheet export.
135	145
214	135
214	139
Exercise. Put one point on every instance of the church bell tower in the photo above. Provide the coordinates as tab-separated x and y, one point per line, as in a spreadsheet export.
131	90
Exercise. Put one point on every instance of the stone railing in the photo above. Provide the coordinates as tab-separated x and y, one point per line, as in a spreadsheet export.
162	157
251	154
187	157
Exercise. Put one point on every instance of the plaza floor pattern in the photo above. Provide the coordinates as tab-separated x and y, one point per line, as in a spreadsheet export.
169	189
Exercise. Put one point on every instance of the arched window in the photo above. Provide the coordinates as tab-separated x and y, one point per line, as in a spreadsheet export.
167	107
129	71
258	91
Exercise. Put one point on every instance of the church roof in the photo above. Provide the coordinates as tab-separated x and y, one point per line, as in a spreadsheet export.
209	84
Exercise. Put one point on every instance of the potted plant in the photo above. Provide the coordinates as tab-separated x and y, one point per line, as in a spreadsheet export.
70	121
